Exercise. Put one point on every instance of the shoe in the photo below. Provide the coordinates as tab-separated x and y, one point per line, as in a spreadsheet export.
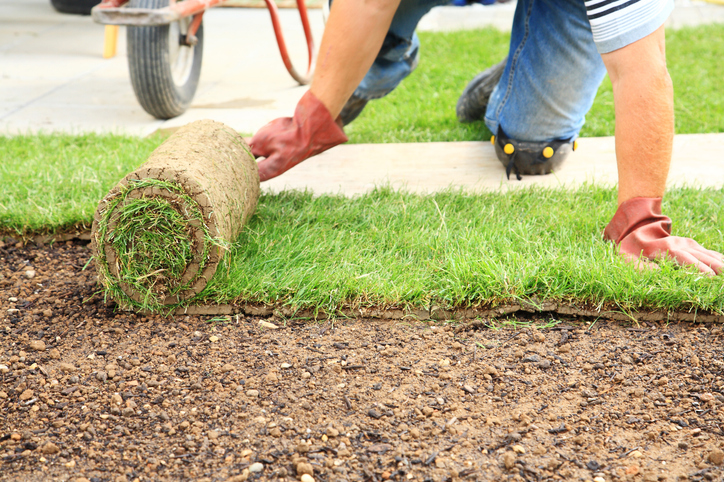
531	158
474	99
352	109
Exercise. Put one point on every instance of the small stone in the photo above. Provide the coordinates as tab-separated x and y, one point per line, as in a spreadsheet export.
266	324
636	454
16	436
252	393
544	363
37	345
332	432
213	338
306	375
307	478
509	460
49	449
256	467
67	368
415	432
599	479
683	445
633	470
54	354
26	395
212	434
3	394
716	457
304	468
286	365
30	274
47	313
519	449
242	477
101	376
70	464
374	414
12	299
228	368
4	369
469	389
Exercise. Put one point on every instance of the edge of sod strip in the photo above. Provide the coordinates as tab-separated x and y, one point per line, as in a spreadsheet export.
160	234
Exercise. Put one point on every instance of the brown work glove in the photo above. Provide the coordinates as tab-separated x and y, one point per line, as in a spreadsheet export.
640	230
287	141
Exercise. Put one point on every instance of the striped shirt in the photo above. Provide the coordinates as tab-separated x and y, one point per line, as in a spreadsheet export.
618	23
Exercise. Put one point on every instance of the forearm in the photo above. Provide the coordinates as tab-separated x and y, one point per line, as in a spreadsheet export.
352	38
643	99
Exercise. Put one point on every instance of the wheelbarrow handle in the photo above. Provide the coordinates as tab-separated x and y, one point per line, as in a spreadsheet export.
274	12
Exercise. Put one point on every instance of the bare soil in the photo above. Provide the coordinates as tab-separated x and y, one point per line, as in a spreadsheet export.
90	393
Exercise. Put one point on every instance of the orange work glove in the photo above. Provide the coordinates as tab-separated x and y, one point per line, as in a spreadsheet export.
287	141
640	230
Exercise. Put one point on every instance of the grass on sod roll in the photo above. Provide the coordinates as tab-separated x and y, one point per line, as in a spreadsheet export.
455	249
154	244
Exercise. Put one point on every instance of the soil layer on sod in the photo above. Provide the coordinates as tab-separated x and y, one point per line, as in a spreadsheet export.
90	393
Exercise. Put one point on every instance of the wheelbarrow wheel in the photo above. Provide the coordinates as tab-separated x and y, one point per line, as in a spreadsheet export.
164	70
79	7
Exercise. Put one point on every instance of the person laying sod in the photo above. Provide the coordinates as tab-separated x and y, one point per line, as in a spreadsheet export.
535	100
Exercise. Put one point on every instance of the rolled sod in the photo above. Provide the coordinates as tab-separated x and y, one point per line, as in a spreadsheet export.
160	234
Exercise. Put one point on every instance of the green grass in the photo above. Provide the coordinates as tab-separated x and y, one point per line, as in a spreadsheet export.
391	248
456	249
422	108
154	240
53	183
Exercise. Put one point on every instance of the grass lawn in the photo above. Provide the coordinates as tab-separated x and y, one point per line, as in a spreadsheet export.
422	108
392	248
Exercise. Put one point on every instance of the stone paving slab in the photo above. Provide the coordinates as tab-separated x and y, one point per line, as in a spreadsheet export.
427	167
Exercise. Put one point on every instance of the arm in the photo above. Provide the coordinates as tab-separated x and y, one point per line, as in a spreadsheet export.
644	103
352	38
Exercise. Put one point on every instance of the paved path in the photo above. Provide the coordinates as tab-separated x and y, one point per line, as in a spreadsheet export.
427	167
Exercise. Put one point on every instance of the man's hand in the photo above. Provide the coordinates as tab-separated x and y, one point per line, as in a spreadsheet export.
640	230
287	141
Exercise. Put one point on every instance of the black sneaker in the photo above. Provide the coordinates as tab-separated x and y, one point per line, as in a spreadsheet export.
474	99
352	109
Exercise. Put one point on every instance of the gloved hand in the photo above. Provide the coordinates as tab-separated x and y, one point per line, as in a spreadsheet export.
287	141
640	230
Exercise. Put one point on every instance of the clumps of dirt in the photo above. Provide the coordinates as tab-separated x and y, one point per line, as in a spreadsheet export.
91	394
160	234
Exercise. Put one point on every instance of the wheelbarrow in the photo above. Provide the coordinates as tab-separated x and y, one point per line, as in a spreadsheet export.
165	41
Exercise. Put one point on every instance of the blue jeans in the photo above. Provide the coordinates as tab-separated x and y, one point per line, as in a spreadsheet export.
550	80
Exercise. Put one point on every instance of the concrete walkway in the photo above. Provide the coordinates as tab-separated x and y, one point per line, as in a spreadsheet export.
53	78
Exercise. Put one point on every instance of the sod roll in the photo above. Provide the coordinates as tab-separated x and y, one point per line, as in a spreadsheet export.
159	235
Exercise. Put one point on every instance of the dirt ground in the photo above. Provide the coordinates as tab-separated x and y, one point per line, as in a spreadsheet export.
88	393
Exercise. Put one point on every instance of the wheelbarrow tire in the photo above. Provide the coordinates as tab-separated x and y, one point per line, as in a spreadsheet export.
164	74
78	7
